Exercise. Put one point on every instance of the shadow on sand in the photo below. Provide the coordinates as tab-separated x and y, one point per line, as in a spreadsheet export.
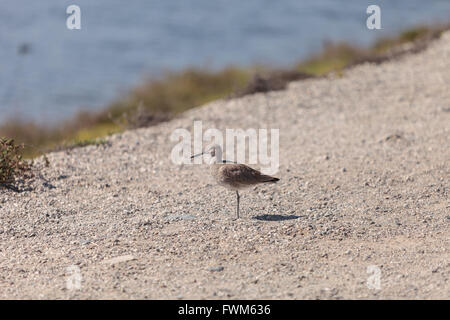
275	217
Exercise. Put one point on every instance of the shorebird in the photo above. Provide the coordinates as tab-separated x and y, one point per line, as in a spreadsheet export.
233	176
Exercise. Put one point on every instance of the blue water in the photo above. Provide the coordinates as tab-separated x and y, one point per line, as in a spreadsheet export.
122	42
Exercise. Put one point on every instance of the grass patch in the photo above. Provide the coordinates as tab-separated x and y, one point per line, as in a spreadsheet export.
12	165
422	32
334	57
176	92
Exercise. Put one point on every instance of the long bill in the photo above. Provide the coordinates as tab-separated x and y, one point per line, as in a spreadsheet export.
196	155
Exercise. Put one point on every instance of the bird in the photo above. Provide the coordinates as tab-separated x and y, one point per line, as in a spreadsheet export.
233	176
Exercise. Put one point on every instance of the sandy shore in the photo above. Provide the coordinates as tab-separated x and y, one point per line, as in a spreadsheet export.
364	191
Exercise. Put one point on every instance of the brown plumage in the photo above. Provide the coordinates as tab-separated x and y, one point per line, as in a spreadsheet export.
238	176
234	176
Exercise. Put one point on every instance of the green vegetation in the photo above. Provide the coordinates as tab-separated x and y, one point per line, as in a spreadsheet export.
178	91
334	57
162	98
337	56
12	165
411	35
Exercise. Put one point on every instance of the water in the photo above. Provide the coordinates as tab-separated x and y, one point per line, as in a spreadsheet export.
122	42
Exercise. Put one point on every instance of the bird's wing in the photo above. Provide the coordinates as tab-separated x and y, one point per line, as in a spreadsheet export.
241	174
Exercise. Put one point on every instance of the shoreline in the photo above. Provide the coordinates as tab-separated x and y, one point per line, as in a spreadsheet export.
161	99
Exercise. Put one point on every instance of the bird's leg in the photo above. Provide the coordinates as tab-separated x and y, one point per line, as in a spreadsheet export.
237	207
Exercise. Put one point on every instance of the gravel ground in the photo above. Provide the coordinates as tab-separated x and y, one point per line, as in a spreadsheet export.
364	168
